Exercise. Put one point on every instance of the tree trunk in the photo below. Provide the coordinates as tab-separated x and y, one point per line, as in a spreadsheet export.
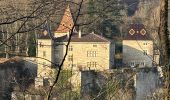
163	32
164	44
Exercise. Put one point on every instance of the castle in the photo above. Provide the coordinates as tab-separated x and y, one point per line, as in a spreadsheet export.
86	51
89	51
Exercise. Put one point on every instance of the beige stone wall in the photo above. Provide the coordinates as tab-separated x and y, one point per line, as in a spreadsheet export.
59	34
81	59
133	52
44	66
75	81
85	56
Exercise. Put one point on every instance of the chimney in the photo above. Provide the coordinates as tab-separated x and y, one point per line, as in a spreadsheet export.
79	33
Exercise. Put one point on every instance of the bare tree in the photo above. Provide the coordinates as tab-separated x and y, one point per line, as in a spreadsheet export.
164	42
44	10
163	32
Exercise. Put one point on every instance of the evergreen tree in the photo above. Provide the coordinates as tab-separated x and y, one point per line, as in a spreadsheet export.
106	16
32	46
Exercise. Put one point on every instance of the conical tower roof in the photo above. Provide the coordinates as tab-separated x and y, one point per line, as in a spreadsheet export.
66	23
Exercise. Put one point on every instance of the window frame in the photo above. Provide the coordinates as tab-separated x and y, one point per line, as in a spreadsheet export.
70	48
91	53
70	57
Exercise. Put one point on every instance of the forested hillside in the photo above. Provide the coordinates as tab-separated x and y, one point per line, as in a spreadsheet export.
108	18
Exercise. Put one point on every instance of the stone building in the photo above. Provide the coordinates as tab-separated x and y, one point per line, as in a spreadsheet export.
85	52
137	47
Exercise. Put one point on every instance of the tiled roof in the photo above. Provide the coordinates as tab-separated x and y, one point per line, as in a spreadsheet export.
91	37
66	23
137	32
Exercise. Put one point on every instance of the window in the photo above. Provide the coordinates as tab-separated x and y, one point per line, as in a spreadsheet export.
145	52
94	64
70	48
142	63
41	45
132	63
95	45
145	43
91	64
44	53
91	53
70	58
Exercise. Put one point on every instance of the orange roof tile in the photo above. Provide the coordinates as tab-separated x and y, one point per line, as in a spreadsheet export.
66	23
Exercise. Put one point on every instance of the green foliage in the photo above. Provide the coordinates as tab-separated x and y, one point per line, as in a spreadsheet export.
32	51
20	97
64	87
91	8
106	16
32	46
64	76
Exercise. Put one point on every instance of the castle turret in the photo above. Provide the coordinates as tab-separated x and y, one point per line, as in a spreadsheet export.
66	24
45	57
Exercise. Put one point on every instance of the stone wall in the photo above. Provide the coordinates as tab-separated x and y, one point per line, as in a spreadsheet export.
125	84
45	51
133	52
147	82
101	59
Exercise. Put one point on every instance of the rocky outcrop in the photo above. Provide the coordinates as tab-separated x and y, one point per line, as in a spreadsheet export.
14	73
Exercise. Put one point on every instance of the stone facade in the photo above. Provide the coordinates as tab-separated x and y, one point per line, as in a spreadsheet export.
85	52
87	56
138	47
138	52
45	57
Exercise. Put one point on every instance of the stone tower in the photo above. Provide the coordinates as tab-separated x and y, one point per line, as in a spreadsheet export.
45	57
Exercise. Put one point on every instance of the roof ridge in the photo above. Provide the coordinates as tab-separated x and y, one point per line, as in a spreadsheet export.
101	37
